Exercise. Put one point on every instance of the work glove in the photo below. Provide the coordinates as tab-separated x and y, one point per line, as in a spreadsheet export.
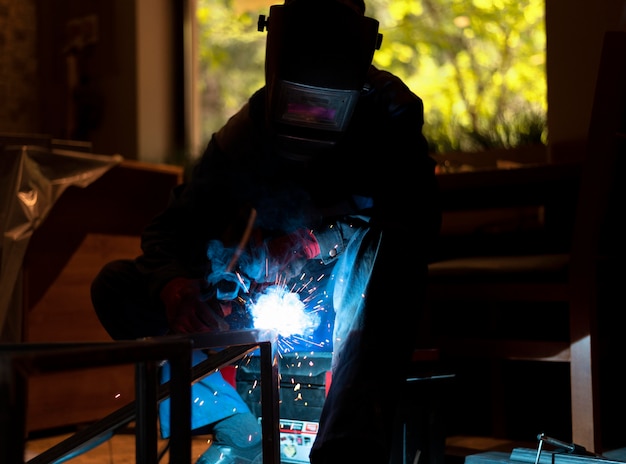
190	309
279	259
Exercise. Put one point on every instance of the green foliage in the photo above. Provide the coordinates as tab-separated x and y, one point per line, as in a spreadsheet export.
478	65
231	56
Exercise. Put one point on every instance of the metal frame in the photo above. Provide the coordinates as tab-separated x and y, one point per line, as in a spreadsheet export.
19	361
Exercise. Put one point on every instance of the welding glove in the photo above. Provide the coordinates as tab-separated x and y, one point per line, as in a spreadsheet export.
189	309
281	258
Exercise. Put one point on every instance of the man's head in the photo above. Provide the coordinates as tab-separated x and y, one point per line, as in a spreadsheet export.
317	55
356	5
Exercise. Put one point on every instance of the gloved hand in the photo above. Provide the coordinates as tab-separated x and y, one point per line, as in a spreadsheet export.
189	310
280	258
227	285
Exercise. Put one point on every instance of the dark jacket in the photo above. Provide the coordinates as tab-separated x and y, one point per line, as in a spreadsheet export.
380	170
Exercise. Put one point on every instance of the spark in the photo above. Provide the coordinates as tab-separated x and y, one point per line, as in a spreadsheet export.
320	344
243	283
282	310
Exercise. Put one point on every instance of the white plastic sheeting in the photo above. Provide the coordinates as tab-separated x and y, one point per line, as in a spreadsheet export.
32	178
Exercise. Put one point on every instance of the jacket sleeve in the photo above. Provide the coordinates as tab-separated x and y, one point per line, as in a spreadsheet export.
206	207
389	173
406	193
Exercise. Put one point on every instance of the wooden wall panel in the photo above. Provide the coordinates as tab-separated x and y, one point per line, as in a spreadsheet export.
87	228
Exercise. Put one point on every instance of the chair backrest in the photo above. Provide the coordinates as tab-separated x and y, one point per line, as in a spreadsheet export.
597	260
598	242
598	203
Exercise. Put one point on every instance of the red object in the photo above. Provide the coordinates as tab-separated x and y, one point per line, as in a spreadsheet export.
328	379
301	243
230	375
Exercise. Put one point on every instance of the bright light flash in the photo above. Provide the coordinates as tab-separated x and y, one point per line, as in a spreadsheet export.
283	311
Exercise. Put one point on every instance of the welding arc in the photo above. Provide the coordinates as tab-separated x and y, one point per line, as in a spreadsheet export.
243	242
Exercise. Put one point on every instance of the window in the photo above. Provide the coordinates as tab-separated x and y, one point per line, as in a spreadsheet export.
479	66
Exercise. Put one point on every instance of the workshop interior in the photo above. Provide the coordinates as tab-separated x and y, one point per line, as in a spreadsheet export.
519	356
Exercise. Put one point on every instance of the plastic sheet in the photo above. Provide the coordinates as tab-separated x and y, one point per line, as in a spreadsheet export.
32	178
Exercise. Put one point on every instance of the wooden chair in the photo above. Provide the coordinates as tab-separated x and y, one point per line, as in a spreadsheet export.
577	287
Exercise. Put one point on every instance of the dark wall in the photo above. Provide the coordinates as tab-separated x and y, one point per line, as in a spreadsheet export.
89	78
18	66
574	33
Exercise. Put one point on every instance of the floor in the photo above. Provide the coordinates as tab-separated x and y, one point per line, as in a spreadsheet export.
120	449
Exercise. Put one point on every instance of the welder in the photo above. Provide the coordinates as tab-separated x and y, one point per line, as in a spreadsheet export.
324	171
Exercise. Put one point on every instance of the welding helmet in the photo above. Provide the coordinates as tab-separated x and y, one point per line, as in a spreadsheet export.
317	56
